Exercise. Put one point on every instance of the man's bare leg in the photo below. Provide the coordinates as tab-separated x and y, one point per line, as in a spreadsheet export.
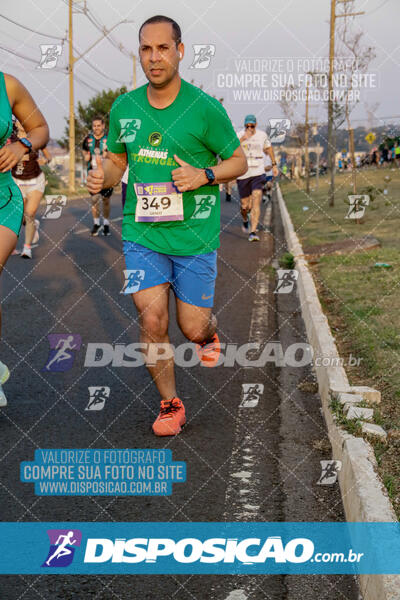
197	323
106	208
31	204
95	206
245	208
255	209
152	305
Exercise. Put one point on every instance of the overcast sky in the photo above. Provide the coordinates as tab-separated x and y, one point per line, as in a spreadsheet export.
238	34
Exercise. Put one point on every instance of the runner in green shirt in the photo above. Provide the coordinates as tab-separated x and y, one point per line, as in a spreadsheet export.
170	133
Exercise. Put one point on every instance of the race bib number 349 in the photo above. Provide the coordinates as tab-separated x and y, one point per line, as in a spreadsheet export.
158	202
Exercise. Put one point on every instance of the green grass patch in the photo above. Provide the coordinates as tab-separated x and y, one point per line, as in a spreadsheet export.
286	261
361	300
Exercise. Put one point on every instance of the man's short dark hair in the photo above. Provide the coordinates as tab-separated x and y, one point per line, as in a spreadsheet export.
98	118
176	30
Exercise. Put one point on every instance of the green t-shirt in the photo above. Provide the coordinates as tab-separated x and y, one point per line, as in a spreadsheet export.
196	128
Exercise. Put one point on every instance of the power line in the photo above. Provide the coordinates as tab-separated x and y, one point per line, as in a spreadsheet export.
90	78
58	37
100	27
378	8
62	39
64	71
101	72
26	57
6	33
86	84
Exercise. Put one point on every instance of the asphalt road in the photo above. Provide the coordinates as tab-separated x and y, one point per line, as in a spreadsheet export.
243	464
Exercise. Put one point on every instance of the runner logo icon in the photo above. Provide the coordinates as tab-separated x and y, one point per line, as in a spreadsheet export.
204	204
286	280
278	130
54	206
203	54
329	471
251	394
357	205
133	278
97	397
62	547
50	54
129	129
62	351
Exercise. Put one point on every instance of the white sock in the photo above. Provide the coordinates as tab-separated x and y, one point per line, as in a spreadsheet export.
96	221
106	222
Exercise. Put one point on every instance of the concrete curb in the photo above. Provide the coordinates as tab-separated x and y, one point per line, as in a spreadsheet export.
364	496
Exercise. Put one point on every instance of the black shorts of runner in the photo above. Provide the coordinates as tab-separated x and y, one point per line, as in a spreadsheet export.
247	185
124	187
106	192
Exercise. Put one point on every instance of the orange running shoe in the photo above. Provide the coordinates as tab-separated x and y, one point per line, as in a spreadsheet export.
209	352
171	418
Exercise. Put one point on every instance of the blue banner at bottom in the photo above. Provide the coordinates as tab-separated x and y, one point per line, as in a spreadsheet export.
199	548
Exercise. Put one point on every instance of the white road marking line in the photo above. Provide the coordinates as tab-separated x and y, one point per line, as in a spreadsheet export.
244	459
242	496
237	595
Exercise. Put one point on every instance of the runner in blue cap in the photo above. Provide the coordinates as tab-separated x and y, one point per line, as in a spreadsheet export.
255	144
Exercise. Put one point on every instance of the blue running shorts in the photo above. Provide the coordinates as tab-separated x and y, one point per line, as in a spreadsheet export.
192	278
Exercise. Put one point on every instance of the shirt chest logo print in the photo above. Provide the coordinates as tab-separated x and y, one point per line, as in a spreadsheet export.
155	138
129	128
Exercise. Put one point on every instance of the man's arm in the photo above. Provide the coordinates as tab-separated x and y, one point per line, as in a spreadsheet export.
269	151
108	173
86	151
47	157
188	178
247	135
231	168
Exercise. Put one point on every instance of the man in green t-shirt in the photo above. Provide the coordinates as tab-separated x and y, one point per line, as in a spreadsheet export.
170	133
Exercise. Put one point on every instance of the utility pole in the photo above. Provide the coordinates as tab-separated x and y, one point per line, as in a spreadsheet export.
71	103
331	140
306	154
72	60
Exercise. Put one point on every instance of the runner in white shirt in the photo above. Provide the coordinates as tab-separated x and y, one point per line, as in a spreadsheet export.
255	144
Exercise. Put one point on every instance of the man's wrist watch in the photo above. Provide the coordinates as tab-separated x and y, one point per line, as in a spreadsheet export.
25	142
210	175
